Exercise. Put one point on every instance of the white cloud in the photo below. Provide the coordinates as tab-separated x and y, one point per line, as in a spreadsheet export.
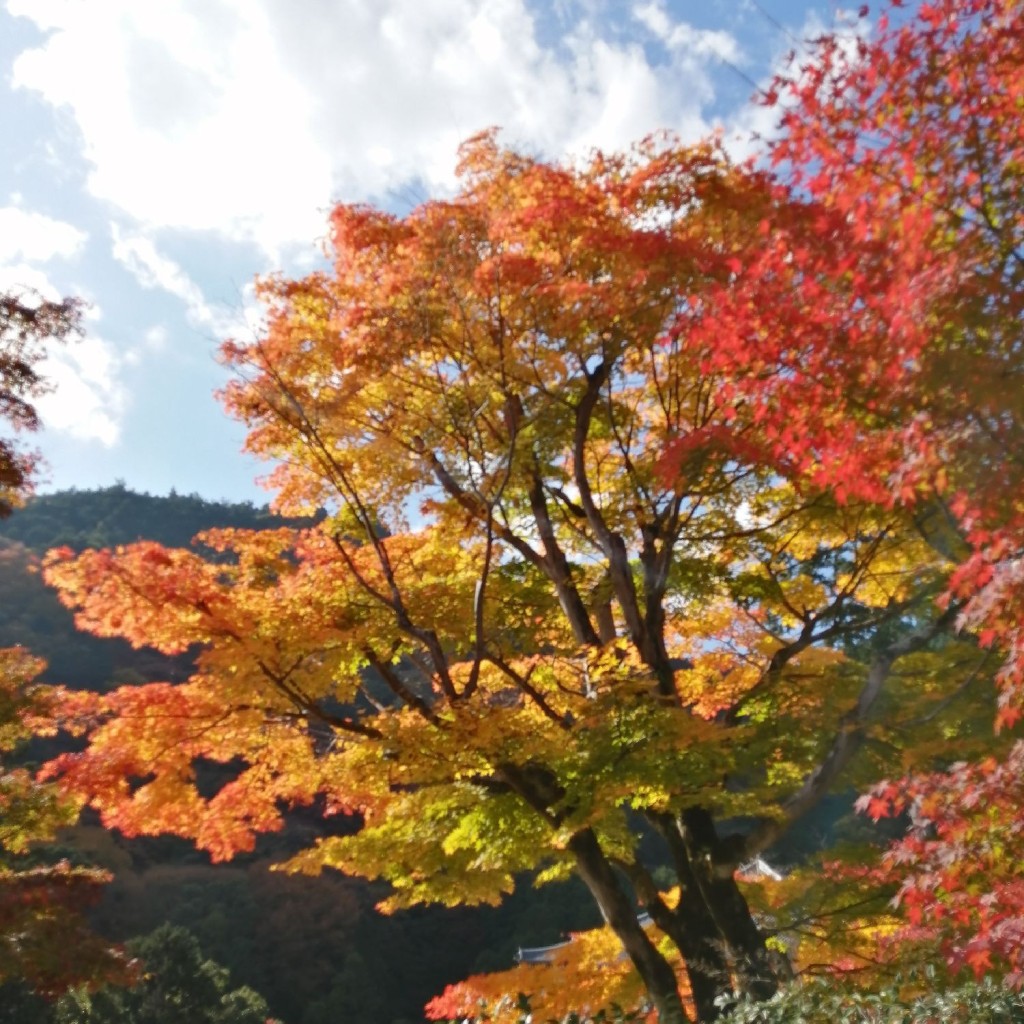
36	238
153	342
88	400
21	279
140	256
684	39
152	269
247	117
186	115
155	338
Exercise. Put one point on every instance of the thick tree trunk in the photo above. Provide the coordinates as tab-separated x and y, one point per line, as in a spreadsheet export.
695	930
694	934
617	908
700	943
755	975
716	935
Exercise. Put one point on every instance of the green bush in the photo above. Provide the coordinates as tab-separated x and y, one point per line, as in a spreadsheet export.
822	1003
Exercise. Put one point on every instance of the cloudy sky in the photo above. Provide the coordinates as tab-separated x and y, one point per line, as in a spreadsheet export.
156	156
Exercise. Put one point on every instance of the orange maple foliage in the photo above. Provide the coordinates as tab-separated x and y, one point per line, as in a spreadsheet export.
832	920
586	974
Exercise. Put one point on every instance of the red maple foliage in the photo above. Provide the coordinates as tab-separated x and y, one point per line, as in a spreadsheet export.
911	135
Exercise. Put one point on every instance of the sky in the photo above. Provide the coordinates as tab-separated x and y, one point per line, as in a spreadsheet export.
158	156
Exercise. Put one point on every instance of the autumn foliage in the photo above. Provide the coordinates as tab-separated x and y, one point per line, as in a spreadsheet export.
43	905
570	592
914	133
663	498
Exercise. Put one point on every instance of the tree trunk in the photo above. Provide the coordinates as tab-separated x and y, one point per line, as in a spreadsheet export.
755	975
695	931
617	908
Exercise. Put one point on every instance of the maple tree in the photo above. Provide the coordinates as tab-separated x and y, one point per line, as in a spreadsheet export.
43	905
912	133
881	354
574	588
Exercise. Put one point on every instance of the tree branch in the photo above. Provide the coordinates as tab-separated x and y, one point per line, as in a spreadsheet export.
847	741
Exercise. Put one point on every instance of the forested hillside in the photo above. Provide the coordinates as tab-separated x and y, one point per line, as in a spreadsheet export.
118	515
31	615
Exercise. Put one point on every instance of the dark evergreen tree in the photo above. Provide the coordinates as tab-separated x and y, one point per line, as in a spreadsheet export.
178	986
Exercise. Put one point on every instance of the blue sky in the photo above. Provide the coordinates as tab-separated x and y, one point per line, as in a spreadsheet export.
159	155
